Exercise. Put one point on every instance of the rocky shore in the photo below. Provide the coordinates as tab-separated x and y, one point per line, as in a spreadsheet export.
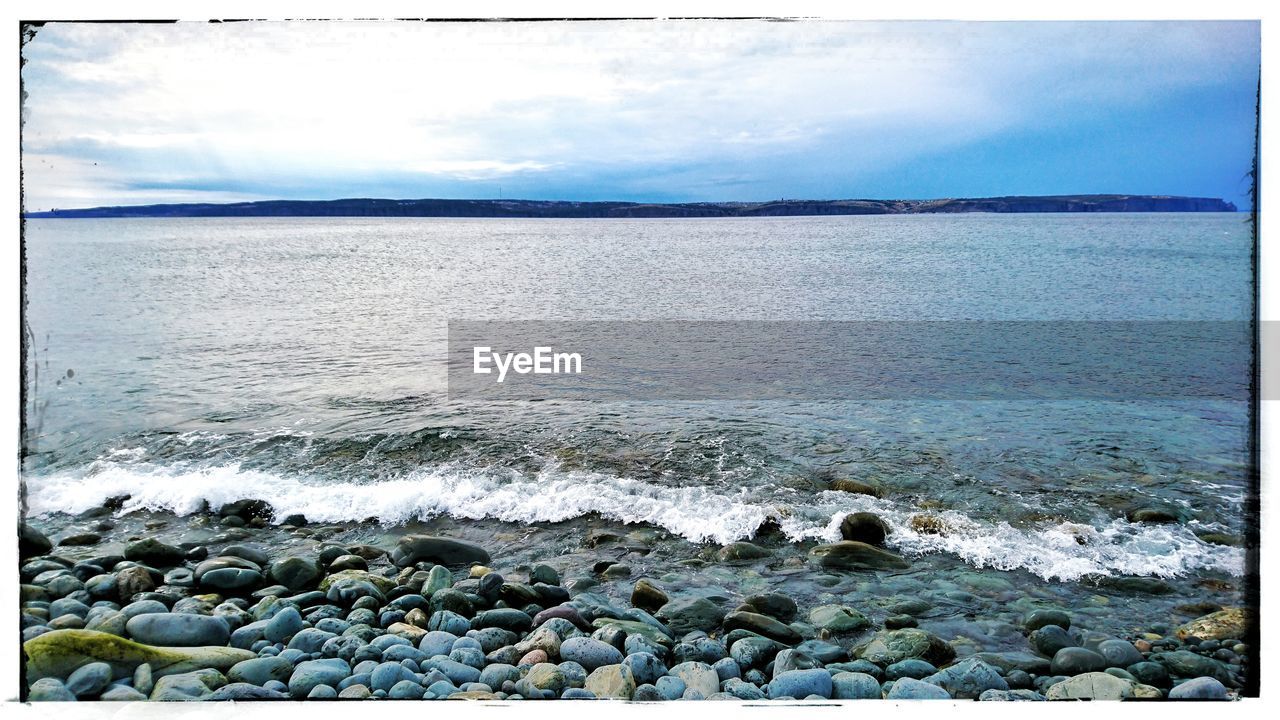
260	608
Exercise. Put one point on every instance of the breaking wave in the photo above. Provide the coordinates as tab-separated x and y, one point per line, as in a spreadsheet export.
1065	551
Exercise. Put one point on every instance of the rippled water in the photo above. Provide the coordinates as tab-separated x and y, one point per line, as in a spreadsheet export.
303	361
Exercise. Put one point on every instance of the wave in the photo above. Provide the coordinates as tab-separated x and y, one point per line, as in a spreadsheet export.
1065	551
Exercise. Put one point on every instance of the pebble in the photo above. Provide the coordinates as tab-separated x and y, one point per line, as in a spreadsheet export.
89	680
589	652
1201	688
911	689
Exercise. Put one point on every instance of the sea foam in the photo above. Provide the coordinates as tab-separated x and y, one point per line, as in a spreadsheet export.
1064	551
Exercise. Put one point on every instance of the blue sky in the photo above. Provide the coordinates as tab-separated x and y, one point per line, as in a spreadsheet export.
646	111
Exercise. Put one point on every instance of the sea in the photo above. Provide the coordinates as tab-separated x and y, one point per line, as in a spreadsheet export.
187	363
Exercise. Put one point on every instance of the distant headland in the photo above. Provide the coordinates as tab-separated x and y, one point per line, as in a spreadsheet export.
364	207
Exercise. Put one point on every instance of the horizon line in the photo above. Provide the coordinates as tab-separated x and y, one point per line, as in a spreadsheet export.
642	203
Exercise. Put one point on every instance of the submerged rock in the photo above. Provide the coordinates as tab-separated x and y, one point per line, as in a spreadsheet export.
856	487
687	614
443	551
838	619
852	555
893	646
761	625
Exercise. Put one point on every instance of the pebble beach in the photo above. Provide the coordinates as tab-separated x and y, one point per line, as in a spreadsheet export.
265	608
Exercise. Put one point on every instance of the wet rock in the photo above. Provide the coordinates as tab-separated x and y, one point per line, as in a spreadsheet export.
838	619
32	542
1221	625
413	549
1119	653
687	613
1049	639
295	573
648	595
1147	585
1040	618
1214	538
851	555
133	580
247	509
230	579
1153	516
894	645
742	551
1185	663
81	539
150	551
1150	673
929	524
856	487
616	570
1009	661
505	618
754	651
775	605
864	527
761	625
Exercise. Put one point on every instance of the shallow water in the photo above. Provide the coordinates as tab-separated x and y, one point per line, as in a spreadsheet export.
302	361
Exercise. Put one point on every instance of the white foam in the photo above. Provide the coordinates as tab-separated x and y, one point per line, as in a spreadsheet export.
698	513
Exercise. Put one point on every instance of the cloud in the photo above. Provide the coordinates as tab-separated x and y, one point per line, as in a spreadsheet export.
647	110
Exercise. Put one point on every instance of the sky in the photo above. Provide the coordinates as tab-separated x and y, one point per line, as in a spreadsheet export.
650	111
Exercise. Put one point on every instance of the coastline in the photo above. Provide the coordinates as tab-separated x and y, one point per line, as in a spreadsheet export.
489	208
746	621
